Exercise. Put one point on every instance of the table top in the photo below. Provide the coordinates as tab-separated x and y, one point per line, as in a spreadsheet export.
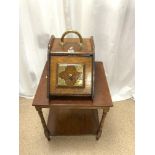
102	97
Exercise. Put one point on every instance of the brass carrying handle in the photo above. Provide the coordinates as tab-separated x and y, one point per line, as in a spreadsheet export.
71	31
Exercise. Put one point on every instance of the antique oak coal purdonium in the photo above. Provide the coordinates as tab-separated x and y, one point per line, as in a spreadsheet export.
71	66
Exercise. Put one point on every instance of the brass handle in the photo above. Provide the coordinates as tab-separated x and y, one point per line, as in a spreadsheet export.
71	31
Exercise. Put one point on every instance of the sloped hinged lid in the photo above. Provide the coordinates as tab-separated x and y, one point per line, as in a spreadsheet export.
72	45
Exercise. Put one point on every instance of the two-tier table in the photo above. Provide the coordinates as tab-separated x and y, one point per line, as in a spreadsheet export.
69	116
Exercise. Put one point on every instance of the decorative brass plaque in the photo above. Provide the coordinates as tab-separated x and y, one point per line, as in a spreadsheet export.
70	75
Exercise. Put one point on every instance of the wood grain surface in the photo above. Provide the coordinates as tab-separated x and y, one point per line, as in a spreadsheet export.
102	97
87	47
86	90
72	121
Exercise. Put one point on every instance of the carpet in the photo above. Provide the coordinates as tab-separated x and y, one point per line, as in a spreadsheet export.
117	137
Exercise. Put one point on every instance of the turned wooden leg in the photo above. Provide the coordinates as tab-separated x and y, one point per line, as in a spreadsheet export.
46	131
99	131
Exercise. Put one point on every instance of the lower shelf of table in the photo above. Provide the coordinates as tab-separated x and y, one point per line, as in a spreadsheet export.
73	121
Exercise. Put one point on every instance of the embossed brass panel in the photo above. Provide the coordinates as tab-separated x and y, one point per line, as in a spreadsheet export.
70	75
